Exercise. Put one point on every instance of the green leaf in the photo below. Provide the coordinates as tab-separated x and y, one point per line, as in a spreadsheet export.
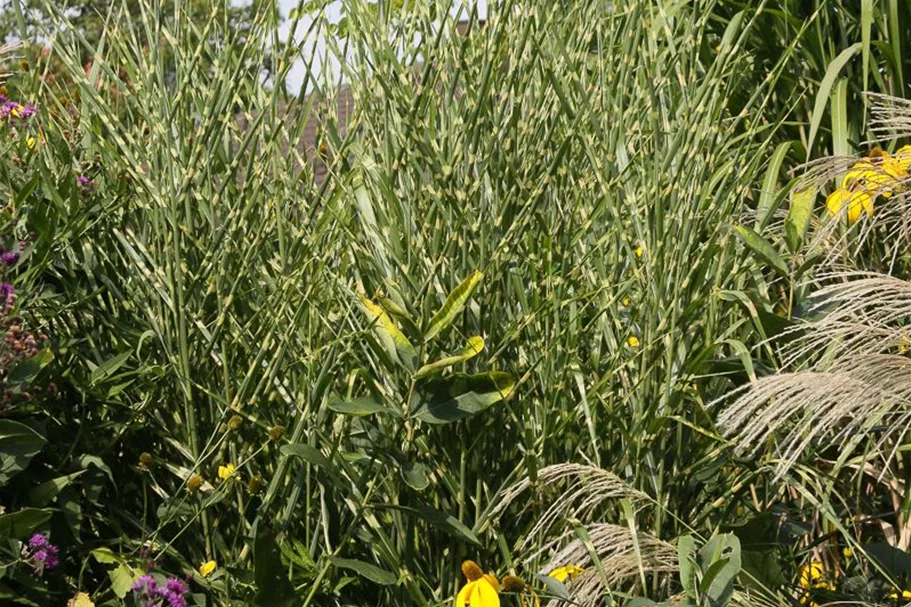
839	111
472	348
18	445
122	579
48	490
391	337
768	196
23	374
358	407
686	549
799	213
90	461
763	248
415	476
450	399
366	570
109	367
719	560
866	24
452	306
105	556
447	523
825	88
272	586
20	524
553	587
307	453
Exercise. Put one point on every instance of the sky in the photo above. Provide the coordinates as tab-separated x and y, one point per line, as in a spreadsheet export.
321	63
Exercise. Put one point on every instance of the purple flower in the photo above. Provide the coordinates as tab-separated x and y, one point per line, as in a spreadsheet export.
41	554
86	184
39	540
9	258
149	594
6	291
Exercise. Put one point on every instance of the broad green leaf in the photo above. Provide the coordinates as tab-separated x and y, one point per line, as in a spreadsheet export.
18	445
122	579
448	523
415	475
22	375
391	337
719	560
763	248
460	395
307	453
768	196
366	570
20	524
357	407
825	88
48	490
799	213
105	556
452	306
686	549
553	587
472	348
272	586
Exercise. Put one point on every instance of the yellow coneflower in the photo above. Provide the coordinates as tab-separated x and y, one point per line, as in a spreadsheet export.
207	568
482	589
194	483
566	572
857	201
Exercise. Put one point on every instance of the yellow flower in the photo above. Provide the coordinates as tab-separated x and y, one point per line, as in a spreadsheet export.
207	568
225	472
847	552
899	165
194	483
811	575
80	600
639	251
632	341
867	177
30	142
561	574
857	202
626	302
482	589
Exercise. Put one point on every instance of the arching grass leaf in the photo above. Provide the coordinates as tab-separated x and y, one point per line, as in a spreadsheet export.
391	337
452	306
472	348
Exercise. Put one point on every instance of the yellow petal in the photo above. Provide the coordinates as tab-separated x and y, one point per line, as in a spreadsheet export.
857	202
206	568
484	595
462	599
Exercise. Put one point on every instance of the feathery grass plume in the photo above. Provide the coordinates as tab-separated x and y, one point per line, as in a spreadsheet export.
616	549
857	380
586	488
6	55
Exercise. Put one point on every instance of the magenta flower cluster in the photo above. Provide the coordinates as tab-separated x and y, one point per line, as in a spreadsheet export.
148	593
14	109
41	554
